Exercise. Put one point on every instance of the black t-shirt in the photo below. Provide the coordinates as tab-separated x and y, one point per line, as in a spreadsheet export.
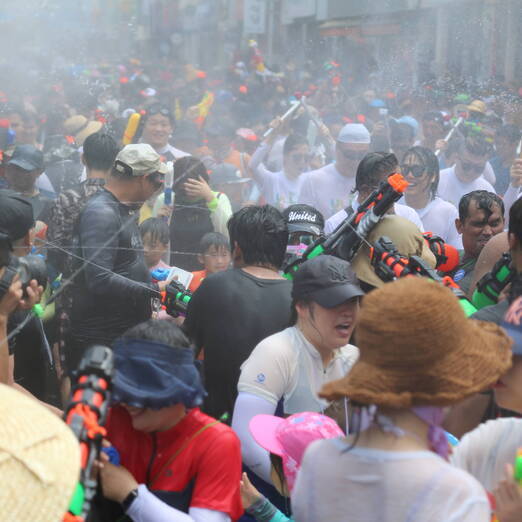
228	316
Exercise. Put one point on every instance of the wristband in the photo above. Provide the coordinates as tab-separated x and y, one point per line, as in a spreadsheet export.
212	205
129	499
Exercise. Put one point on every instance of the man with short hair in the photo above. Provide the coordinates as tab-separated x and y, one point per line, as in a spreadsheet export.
233	310
329	188
113	290
374	168
23	169
467	175
481	216
176	462
157	128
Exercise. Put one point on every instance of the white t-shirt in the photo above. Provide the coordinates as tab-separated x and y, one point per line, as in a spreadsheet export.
326	190
438	217
452	189
485	451
285	365
176	153
276	187
400	210
369	485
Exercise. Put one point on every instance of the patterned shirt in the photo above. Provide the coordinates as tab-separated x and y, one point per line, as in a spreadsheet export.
63	216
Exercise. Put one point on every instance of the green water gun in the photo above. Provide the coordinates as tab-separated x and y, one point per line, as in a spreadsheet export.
491	284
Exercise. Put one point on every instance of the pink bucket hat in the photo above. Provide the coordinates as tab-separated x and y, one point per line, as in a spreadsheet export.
290	437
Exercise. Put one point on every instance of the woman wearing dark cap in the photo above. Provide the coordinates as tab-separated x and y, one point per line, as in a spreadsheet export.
418	354
197	210
420	167
288	368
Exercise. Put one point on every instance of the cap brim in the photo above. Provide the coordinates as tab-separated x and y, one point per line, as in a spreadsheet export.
263	429
333	296
23	164
304	227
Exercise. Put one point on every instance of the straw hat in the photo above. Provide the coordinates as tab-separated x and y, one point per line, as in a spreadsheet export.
477	106
39	460
405	236
81	128
419	349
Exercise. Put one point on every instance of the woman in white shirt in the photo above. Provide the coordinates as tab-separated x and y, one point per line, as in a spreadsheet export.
288	368
415	358
281	188
420	167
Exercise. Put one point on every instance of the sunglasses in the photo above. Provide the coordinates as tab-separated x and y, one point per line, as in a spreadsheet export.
157	180
466	165
417	171
301	239
353	155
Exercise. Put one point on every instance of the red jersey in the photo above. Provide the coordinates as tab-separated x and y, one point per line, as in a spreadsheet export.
197	279
210	457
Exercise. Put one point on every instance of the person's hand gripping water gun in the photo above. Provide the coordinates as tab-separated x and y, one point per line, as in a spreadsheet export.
346	239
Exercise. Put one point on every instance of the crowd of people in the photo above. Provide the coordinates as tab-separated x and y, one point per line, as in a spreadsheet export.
279	387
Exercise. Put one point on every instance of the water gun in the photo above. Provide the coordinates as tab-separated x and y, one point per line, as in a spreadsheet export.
346	239
295	105
491	284
169	183
86	415
175	299
448	137
518	467
132	128
389	264
446	256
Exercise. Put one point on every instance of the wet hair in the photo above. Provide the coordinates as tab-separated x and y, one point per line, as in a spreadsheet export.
510	132
100	151
476	145
261	233
483	199
373	167
189	167
157	228
293	141
159	108
215	239
429	161
434	116
165	332
515	220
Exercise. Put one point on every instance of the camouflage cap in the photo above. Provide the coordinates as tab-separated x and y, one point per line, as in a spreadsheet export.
141	158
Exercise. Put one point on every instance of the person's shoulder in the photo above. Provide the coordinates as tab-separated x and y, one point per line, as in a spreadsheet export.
214	428
279	344
349	352
489	432
484	184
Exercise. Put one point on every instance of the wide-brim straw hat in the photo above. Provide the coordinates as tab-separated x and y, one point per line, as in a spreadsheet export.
39	460
404	234
417	348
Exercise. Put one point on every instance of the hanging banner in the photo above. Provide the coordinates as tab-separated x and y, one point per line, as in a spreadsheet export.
254	17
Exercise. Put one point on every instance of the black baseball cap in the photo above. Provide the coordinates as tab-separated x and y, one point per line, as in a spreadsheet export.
16	214
27	157
326	280
304	218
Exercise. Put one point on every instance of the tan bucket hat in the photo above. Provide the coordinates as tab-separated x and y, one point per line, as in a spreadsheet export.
405	236
81	128
39	460
417	348
141	158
